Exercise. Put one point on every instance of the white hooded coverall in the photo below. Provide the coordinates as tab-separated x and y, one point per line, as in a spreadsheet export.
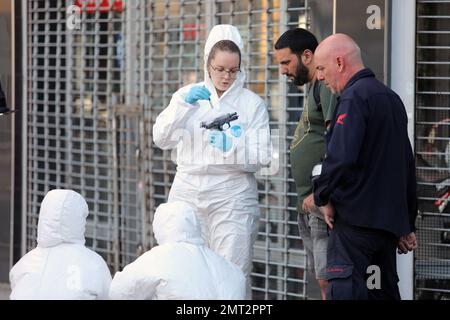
181	267
220	185
61	267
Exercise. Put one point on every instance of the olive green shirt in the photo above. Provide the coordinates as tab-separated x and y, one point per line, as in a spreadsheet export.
308	145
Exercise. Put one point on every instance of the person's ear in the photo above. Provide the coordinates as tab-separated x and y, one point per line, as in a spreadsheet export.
307	57
340	63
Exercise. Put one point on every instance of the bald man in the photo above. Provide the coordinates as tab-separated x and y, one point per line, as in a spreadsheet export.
367	187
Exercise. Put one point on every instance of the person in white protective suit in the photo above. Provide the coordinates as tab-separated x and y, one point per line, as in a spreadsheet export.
215	169
181	267
61	267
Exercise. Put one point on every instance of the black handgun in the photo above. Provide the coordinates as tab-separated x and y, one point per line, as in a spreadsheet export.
217	124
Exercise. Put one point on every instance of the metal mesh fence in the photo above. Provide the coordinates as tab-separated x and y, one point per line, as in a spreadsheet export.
432	263
94	93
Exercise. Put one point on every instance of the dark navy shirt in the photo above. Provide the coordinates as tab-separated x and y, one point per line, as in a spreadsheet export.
369	171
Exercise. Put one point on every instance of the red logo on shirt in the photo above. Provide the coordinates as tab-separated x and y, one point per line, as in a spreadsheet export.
341	118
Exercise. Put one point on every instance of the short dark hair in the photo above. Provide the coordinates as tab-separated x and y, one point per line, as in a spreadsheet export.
298	40
224	45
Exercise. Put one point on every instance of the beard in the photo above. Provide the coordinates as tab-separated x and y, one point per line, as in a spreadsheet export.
301	76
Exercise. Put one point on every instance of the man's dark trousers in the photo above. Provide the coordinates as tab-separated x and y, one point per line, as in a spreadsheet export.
351	250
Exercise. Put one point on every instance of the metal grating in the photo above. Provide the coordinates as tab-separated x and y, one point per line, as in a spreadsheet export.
94	94
432	260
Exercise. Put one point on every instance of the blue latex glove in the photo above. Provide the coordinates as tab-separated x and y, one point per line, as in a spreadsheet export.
197	93
236	131
220	140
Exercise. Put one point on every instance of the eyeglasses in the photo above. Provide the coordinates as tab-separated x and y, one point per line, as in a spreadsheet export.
222	72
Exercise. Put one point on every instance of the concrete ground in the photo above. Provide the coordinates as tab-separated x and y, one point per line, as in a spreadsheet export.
5	290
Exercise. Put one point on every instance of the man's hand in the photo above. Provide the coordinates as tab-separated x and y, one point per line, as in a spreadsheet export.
308	203
407	243
328	214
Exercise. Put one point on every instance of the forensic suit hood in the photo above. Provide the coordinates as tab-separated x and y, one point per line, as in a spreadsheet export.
181	267
61	267
62	218
176	222
219	33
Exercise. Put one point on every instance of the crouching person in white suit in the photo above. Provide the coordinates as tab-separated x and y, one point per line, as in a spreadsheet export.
181	267
61	267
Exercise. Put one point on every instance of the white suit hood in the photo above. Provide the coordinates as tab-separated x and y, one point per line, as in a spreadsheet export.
62	218
218	33
176	222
